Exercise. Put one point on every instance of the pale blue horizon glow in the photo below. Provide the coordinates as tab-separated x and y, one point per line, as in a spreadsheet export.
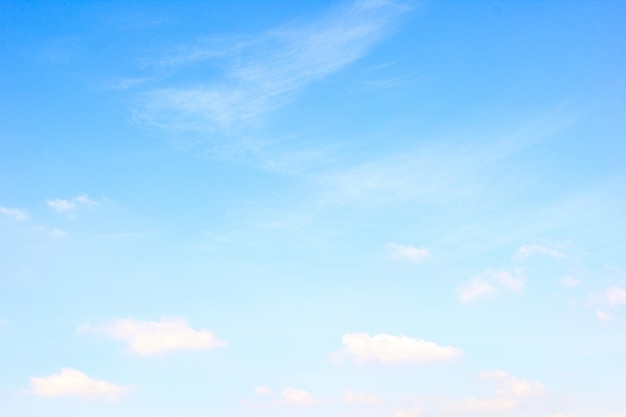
368	208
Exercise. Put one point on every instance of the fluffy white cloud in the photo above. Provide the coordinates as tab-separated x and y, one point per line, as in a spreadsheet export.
527	250
71	204
361	398
511	393
407	252
158	337
15	214
298	397
570	282
72	382
386	348
489	283
603	316
262	390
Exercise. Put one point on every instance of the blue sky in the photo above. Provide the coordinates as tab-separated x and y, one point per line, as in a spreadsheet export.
356	209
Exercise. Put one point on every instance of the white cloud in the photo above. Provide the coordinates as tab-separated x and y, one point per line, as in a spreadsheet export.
512	386
65	206
262	390
15	214
476	288
511	393
361	347
410	412
147	338
298	397
263	73
603	316
72	382
351	397
407	252
558	415
510	281
613	296
525	251
570	282
489	284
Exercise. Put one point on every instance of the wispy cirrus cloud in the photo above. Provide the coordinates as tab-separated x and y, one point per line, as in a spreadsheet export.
263	73
526	251
150	338
14	213
68	205
390	349
490	283
71	382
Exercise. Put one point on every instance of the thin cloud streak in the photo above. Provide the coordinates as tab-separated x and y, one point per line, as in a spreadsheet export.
264	73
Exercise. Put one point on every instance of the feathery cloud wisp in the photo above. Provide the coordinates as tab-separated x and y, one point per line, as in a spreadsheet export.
264	72
65	206
73	382
148	338
528	250
386	348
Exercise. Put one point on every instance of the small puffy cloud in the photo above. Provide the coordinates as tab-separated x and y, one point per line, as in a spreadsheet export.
409	412
298	397
148	338
511	393
361	398
73	382
525	251
65	206
262	390
613	296
489	284
476	288
510	386
386	348
603	316
570	282
13	213
399	252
